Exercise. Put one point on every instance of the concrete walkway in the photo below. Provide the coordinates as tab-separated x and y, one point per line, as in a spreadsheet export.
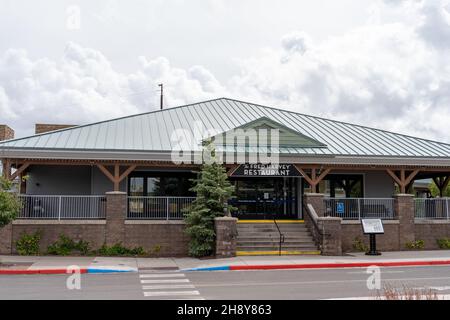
134	264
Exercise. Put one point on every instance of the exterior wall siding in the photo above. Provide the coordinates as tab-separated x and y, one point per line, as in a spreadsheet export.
59	180
69	180
378	184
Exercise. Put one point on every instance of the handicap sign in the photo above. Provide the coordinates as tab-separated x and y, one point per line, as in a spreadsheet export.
340	208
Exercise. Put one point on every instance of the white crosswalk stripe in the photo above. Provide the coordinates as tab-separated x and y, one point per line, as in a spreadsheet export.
173	275
167	285
171	293
165	281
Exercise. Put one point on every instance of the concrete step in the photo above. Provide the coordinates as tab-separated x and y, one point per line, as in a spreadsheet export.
275	236
275	244
276	248
268	228
303	233
264	238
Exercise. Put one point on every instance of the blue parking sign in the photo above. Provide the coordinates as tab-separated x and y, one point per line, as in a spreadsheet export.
340	208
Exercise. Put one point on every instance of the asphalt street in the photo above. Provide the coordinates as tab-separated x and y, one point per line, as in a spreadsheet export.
224	285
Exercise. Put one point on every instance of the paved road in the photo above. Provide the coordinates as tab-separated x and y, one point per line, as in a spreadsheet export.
287	284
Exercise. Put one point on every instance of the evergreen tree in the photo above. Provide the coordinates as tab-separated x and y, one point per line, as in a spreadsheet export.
213	190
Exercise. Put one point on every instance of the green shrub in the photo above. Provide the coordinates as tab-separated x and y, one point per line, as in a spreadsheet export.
28	244
65	246
358	245
444	243
156	249
119	250
418	244
10	204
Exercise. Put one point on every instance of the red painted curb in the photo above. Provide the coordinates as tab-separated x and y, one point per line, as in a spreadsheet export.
36	271
342	265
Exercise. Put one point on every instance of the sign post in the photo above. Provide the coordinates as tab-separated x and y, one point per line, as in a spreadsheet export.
372	227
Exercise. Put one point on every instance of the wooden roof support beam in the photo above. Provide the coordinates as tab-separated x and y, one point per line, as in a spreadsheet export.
106	172
313	181
6	169
411	176
117	177
127	172
305	176
19	171
442	184
403	181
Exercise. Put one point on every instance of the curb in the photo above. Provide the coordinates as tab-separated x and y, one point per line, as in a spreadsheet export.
324	265
61	271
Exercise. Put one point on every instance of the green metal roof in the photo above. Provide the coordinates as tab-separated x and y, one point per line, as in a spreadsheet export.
151	133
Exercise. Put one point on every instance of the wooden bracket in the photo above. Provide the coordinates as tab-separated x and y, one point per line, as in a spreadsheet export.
117	177
403	181
313	180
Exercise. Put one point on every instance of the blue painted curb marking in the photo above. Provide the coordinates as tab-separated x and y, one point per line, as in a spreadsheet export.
95	270
218	268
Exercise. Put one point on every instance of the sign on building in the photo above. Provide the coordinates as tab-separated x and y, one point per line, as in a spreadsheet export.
266	170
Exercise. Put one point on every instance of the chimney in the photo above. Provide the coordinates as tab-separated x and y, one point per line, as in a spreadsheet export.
6	133
44	127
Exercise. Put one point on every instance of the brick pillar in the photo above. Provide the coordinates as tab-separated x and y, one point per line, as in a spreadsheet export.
329	233
226	233
404	210
316	199
331	244
6	239
116	212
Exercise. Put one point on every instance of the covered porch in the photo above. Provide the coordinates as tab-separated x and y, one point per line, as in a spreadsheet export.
75	189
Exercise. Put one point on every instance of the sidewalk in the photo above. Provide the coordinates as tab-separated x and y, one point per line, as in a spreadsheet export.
51	264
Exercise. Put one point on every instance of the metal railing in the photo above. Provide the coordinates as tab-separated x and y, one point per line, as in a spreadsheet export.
158	208
62	207
281	240
359	208
435	208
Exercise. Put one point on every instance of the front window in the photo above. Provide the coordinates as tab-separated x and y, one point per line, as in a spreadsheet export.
160	184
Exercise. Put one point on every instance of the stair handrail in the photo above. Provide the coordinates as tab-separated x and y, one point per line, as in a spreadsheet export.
281	235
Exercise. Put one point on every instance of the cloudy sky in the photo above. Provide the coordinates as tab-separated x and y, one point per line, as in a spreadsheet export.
384	64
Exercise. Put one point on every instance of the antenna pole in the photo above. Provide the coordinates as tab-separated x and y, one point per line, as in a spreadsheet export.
162	95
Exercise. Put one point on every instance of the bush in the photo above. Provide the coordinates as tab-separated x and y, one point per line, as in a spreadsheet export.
65	246
418	244
10	204
28	244
359	245
444	243
119	250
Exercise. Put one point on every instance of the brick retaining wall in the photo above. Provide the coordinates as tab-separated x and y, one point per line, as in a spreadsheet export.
151	235
389	241
430	231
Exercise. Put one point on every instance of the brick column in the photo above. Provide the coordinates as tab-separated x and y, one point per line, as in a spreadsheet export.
316	199
116	212
329	233
226	233
331	244
404	210
6	239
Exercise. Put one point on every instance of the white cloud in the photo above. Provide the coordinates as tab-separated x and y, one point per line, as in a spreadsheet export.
393	72
392	75
83	87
